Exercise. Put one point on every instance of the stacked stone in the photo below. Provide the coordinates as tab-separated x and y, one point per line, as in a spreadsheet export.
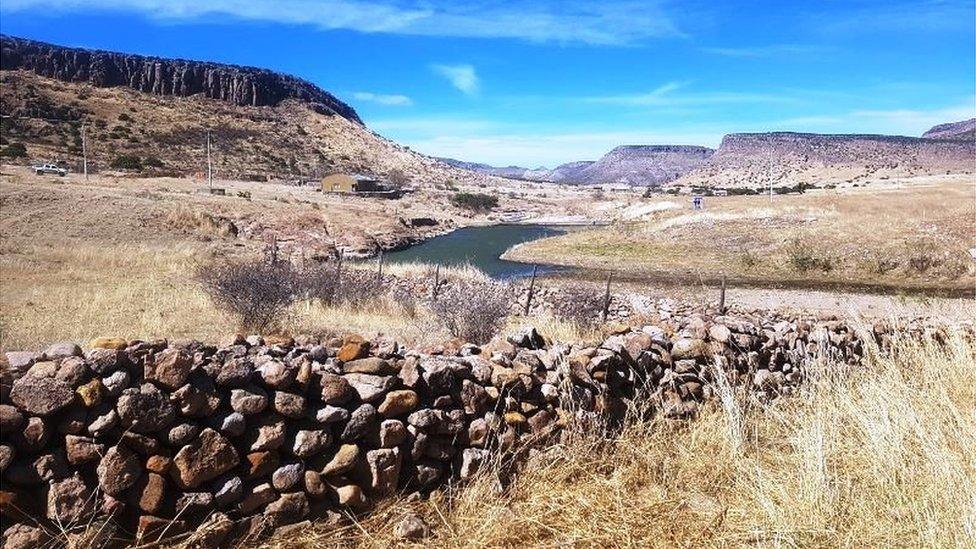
156	437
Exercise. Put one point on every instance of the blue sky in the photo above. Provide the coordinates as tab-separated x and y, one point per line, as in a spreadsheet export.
540	82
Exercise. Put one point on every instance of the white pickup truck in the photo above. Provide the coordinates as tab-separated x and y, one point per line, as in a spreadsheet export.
42	169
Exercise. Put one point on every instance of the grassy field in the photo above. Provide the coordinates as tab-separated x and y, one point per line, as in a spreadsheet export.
880	456
910	236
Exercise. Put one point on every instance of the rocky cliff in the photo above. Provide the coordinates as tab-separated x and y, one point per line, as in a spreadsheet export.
788	158
244	86
965	129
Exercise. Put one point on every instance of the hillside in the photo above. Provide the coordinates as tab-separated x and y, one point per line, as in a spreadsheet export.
965	129
787	158
264	125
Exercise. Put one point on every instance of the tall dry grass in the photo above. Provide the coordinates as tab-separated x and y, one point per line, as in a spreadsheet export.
878	456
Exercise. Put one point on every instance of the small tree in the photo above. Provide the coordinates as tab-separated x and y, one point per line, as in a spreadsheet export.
126	162
256	293
14	150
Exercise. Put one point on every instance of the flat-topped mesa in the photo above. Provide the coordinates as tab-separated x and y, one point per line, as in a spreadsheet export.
965	129
245	86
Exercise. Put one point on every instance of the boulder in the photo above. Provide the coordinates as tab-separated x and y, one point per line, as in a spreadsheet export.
115	343
287	476
384	470
41	396
369	387
118	470
62	349
310	443
169	368
145	410
360	422
79	449
70	501
249	401
370	365
206	458
343	461
412	528
397	403
336	390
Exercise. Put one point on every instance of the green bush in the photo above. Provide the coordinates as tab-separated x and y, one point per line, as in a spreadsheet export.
126	162
14	150
474	201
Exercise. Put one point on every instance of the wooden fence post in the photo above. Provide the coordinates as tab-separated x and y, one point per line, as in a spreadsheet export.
721	298
437	281
528	299
338	279
379	270
606	298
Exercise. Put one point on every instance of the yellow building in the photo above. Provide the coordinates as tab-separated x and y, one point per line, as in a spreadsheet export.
351	183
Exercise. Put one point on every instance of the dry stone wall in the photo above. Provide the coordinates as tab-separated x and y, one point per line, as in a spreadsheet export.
160	438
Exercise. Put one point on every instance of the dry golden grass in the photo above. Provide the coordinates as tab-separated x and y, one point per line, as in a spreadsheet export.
916	235
879	456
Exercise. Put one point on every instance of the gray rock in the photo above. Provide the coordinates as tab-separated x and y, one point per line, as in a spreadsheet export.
384	470
371	388
106	361
103	420
336	390
310	443
412	528
392	433
62	349
73	371
370	365
206	458
471	460
116	382
228	491
231	425
10	419
34	436
267	433
20	361
360	421
287	476
182	434
194	504
331	414
236	372
145	410
438	422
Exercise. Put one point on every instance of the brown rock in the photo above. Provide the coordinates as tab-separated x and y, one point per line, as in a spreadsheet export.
35	435
336	390
23	536
370	365
159	464
82	449
343	461
145	410
70	501
169	368
352	496
283	341
353	350
384	470
41	396
118	470
287	509
116	343
397	403
258	497
412	528
152	495
262	463
315	487
206	458
152	528
10	419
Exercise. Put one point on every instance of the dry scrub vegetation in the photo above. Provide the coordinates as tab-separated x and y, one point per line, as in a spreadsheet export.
898	236
879	456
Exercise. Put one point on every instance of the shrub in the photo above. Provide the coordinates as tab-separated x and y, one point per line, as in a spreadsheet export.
255	292
474	201
473	311
14	150
126	162
805	258
152	162
358	288
580	305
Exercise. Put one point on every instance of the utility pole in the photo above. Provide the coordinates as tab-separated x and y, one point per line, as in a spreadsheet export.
209	165
84	152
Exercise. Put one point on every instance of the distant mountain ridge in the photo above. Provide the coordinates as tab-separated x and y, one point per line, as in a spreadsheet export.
638	165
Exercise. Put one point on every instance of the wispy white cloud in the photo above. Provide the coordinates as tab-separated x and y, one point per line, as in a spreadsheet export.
772	50
911	122
665	96
617	22
462	77
887	16
383	99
